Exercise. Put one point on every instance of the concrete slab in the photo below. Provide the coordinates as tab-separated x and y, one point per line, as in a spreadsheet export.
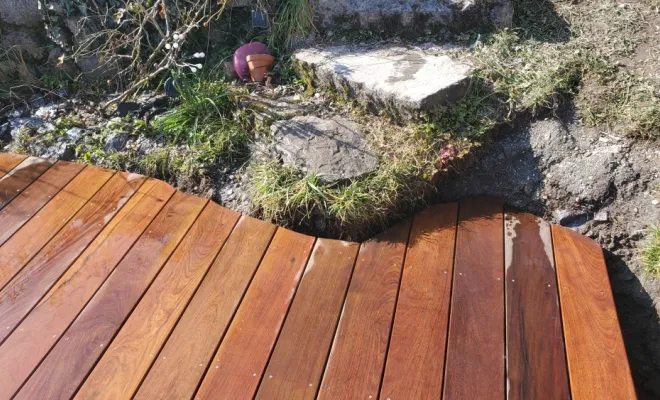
403	80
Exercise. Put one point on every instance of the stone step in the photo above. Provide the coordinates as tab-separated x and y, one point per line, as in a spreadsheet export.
400	80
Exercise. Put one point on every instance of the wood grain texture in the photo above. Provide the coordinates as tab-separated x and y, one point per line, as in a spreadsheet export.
296	366
34	337
39	275
122	367
16	180
86	339
357	356
416	357
181	364
597	360
26	243
536	362
475	348
238	364
32	199
9	161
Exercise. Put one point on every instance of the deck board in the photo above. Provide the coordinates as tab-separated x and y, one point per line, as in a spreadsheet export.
416	358
16	252
302	349
9	161
357	357
116	286
596	357
32	199
188	352
536	363
85	341
475	348
16	180
27	344
39	275
241	358
122	367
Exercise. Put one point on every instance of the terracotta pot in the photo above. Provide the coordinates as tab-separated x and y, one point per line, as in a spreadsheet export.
240	65
259	65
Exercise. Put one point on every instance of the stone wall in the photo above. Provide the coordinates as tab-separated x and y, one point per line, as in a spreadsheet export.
411	17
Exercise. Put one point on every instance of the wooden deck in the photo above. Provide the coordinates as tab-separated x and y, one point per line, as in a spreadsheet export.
115	286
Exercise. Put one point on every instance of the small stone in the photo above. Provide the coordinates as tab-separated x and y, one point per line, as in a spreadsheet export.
655	202
115	141
74	134
602	216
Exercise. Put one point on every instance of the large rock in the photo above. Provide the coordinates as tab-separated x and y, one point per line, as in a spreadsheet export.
333	148
400	79
411	17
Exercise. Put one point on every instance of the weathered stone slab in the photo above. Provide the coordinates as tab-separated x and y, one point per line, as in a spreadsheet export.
333	148
400	79
411	17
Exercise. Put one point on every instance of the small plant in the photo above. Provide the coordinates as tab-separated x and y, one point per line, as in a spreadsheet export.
651	252
349	210
293	18
204	119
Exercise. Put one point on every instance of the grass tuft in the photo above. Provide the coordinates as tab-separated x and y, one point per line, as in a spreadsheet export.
651	252
293	18
204	120
287	196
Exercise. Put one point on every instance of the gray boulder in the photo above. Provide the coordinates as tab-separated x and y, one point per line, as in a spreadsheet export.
401	80
335	149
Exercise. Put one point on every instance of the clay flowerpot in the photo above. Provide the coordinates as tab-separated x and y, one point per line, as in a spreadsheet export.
259	65
240	64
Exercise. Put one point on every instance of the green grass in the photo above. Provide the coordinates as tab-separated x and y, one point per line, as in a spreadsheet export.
287	196
651	252
293	18
205	120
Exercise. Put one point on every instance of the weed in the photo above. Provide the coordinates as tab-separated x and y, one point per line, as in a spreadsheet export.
293	18
288	196
204	119
651	252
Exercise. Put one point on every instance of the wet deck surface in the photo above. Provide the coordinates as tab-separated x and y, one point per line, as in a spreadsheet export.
115	286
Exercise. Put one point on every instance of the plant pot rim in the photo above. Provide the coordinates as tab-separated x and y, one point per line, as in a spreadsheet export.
259	57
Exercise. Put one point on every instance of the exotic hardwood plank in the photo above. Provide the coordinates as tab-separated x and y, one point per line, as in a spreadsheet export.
24	349
24	244
357	356
185	357
295	368
9	161
85	340
416	357
536	365
37	277
12	183
243	354
475	349
597	361
120	371
32	199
